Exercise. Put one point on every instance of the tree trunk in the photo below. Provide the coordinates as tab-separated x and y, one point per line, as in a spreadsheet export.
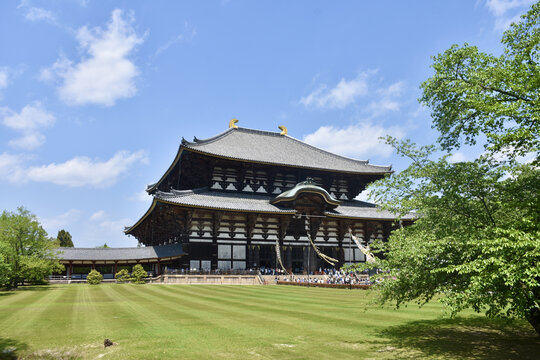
533	317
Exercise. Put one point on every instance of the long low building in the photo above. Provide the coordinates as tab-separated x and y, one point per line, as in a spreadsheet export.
110	260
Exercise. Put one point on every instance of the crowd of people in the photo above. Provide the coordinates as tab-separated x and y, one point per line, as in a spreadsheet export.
331	276
323	276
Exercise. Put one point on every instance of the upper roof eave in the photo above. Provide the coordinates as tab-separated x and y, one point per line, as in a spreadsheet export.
195	146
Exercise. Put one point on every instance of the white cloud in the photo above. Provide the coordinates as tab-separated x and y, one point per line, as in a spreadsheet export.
504	11
360	141
4	78
105	74
457	157
32	13
30	118
387	99
77	172
29	121
109	231
28	141
11	167
37	14
98	215
340	96
188	33
83	171
53	224
141	196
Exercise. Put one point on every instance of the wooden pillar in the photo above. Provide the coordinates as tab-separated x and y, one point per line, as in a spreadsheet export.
257	256
158	267
115	267
70	269
93	265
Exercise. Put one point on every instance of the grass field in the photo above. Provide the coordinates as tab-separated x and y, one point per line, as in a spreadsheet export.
242	322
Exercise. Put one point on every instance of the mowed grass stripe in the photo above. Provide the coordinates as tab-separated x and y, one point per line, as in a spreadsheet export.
240	320
264	332
198	326
310	315
30	308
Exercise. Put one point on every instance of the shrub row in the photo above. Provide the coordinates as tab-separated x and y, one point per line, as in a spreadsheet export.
138	274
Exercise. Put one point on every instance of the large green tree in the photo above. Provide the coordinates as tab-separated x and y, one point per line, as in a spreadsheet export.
26	252
476	242
474	93
64	238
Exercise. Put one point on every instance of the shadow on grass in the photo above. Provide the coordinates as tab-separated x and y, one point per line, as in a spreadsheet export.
465	338
7	292
10	348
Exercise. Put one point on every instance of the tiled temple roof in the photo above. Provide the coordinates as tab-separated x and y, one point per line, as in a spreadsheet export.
273	148
224	200
120	254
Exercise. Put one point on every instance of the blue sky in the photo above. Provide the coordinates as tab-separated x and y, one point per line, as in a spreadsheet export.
95	96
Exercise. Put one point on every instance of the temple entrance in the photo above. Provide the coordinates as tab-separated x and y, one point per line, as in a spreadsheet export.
297	254
266	256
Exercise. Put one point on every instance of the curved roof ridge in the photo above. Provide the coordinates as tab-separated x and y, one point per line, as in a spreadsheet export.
199	142
365	162
209	140
177	193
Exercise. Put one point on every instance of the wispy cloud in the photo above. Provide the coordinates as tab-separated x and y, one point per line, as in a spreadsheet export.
360	141
83	171
188	34
98	215
29	121
33	13
141	196
387	99
507	11
76	172
56	223
106	74
341	95
11	167
4	77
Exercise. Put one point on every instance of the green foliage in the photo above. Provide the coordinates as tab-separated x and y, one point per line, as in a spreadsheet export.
64	238
26	252
5	268
138	274
476	241
104	246
476	93
94	277
122	276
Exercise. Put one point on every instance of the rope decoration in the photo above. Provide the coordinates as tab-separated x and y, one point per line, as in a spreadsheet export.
370	258
278	256
328	259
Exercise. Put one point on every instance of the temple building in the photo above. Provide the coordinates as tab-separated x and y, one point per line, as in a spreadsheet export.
248	199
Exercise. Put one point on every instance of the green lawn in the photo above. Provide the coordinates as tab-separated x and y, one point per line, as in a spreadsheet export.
243	322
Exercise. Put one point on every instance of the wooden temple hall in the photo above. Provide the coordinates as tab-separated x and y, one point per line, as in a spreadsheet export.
248	199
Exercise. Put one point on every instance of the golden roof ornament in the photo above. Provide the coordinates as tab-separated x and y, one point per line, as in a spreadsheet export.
283	130
232	124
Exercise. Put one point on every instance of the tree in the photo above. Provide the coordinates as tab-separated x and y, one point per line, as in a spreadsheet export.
122	276
64	238
475	93
25	248
476	241
94	277
138	274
